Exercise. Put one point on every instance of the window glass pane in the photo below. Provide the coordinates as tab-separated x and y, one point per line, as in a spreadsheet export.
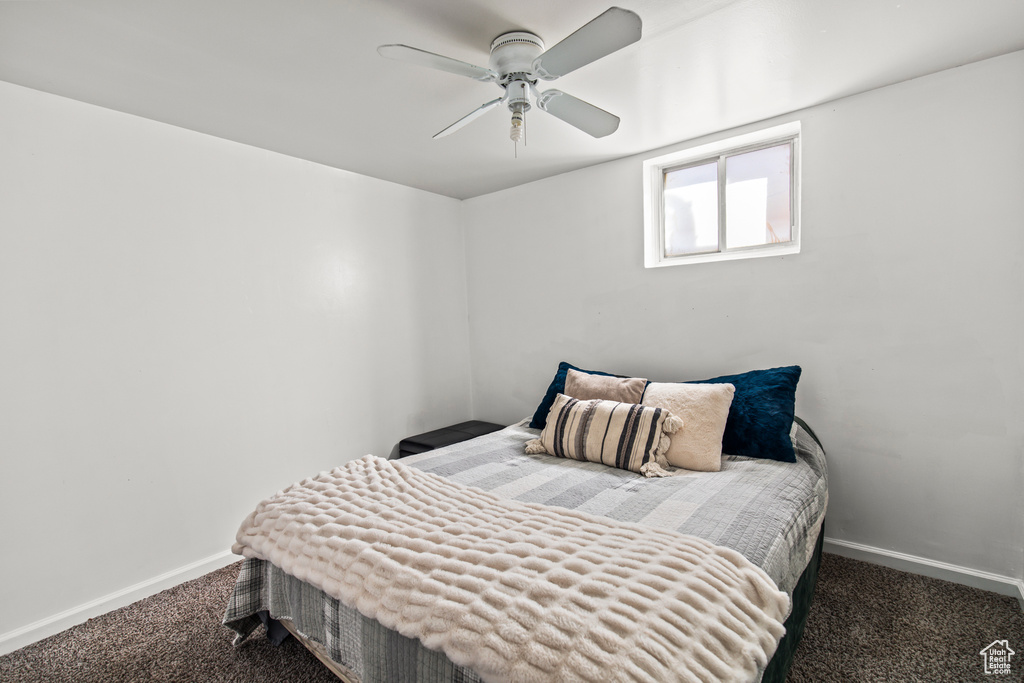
691	210
757	197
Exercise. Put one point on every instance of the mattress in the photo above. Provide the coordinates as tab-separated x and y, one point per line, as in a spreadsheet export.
770	512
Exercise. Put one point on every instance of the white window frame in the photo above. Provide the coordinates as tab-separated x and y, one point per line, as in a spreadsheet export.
654	202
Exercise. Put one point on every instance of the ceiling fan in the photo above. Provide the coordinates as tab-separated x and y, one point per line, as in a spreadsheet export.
518	60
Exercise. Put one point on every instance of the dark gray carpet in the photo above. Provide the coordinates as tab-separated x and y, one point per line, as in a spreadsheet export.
870	623
867	624
173	636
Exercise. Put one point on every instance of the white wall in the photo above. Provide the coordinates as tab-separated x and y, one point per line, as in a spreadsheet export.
187	324
904	307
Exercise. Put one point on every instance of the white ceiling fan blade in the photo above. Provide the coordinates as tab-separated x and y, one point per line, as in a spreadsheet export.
404	53
469	118
611	31
574	111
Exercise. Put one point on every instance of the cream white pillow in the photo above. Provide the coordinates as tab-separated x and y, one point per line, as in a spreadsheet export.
704	409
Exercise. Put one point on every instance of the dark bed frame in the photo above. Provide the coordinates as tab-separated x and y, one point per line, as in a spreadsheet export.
803	594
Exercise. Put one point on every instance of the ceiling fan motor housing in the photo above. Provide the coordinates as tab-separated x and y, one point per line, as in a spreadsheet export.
513	53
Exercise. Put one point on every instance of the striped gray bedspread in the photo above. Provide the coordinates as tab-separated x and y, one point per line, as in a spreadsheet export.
768	511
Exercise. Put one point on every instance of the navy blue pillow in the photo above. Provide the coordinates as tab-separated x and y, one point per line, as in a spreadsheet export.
761	414
556	387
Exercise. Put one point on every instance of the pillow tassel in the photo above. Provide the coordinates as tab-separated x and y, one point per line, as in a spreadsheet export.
652	468
673	423
534	446
658	465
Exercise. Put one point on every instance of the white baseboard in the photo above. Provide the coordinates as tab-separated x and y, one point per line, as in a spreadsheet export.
26	635
1004	585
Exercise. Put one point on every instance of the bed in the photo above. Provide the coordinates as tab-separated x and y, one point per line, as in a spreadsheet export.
769	512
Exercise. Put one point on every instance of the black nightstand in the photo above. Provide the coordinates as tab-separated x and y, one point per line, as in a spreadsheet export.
446	436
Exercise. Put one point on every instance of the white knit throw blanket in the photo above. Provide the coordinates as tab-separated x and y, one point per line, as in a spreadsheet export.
519	591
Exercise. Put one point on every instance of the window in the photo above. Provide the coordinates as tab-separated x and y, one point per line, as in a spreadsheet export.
737	198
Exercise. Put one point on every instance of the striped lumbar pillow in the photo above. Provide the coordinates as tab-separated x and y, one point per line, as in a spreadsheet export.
624	435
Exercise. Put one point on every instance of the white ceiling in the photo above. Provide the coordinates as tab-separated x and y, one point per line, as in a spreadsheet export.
303	77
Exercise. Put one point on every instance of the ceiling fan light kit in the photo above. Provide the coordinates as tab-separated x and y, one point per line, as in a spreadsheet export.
518	60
